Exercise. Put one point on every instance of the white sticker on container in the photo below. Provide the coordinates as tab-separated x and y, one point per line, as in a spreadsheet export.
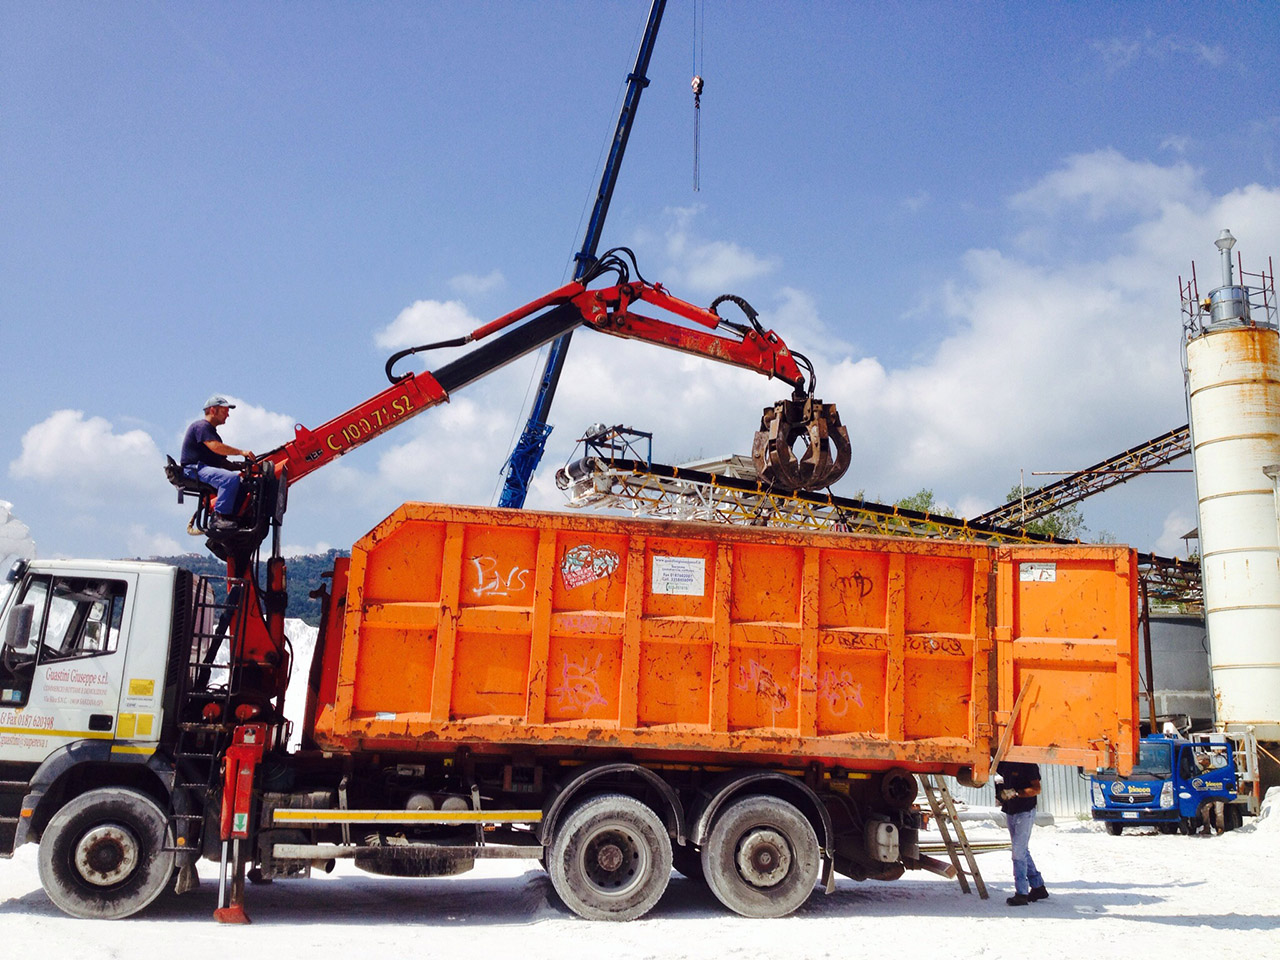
680	576
1038	572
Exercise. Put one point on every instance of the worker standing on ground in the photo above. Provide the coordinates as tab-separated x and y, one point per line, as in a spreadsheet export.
204	457
1017	792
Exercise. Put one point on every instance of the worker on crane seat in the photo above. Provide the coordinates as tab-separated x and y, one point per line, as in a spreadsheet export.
204	458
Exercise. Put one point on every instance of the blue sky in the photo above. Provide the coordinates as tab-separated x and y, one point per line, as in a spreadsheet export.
972	216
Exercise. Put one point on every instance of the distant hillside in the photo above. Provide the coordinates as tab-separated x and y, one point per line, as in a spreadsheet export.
304	576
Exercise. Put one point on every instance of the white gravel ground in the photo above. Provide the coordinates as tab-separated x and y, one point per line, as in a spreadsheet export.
1140	894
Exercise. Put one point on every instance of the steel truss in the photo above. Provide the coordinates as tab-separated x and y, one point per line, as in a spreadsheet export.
657	490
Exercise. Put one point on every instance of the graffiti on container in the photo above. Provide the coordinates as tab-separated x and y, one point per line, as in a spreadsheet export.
491	581
944	645
856	642
856	584
754	676
838	689
586	564
579	687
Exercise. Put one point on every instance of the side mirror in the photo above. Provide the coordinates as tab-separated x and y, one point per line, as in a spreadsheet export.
17	631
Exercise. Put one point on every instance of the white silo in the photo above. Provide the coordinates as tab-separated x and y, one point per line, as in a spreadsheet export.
1232	367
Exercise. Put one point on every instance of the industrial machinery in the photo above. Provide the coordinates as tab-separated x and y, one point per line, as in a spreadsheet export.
612	697
813	450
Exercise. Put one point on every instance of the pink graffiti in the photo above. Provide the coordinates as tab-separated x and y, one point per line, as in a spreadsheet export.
579	687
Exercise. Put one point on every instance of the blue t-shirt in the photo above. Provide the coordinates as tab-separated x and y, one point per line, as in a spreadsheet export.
194	449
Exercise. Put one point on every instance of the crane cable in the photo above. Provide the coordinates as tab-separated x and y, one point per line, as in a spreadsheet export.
699	39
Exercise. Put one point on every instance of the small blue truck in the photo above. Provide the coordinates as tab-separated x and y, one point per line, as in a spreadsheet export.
1176	785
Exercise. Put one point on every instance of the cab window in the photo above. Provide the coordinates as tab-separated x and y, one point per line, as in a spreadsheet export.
71	617
84	618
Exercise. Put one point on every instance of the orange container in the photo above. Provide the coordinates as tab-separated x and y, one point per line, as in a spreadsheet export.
587	636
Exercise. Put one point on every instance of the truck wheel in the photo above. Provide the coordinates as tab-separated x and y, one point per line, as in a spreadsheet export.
687	860
610	859
102	856
761	858
1114	827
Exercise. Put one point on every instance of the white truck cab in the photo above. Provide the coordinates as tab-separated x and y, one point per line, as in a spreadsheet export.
84	651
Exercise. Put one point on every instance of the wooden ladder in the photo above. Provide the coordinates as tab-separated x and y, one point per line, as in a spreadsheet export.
944	814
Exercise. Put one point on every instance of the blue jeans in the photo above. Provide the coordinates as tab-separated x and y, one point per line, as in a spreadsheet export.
226	482
1025	874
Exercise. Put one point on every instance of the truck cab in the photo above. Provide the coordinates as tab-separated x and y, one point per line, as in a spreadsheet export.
1173	783
84	655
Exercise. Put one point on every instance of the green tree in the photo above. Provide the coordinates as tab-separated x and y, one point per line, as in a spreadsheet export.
923	501
1066	524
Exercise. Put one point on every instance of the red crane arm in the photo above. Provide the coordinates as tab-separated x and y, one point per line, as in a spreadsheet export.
606	309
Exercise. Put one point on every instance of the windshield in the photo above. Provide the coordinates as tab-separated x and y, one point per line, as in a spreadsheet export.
1153	761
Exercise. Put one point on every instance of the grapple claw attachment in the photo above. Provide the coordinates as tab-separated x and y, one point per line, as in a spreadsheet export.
811	426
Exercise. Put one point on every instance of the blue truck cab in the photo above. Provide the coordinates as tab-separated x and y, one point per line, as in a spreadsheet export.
1173	784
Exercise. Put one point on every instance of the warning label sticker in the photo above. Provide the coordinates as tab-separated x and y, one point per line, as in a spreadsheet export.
680	576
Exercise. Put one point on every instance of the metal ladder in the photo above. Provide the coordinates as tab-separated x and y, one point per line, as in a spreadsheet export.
198	744
944	814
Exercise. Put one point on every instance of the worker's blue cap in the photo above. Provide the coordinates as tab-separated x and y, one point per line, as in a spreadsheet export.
217	400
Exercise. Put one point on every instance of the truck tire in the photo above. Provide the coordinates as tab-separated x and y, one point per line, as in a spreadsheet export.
1114	827
610	859
102	856
761	858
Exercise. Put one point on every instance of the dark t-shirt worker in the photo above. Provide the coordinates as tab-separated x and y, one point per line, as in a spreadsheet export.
204	457
1017	791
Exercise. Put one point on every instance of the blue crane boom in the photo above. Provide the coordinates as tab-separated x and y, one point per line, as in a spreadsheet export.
528	450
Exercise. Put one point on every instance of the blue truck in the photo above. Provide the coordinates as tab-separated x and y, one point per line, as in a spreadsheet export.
1176	785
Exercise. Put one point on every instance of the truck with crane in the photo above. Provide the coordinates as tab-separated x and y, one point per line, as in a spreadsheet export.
611	697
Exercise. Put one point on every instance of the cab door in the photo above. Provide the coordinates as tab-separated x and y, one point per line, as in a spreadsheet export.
62	680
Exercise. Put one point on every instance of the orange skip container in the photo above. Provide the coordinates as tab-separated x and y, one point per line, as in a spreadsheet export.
589	637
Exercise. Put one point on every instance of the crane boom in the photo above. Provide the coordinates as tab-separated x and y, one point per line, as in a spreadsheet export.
524	459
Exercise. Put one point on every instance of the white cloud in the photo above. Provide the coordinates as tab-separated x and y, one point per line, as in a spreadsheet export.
707	266
426	321
251	427
917	201
1176	524
473	285
1106	184
84	459
1054	363
1118	53
146	543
